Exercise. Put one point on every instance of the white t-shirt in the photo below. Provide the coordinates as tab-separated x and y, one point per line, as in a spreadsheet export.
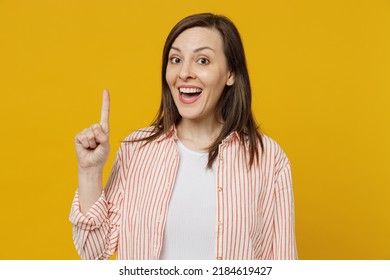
191	222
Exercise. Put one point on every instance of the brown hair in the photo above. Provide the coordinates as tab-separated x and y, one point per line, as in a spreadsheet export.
234	105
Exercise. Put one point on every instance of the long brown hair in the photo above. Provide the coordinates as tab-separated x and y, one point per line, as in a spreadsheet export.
234	105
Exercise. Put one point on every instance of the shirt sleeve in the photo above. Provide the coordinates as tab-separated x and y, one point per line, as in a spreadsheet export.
96	233
284	244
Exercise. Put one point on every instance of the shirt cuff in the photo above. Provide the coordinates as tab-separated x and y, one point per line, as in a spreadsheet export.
95	216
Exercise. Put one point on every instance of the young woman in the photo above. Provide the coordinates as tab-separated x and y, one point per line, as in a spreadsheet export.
201	182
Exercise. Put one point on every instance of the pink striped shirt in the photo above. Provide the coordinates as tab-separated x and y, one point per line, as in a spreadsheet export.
255	206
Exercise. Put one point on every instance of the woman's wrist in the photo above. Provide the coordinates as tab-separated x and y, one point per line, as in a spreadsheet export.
90	186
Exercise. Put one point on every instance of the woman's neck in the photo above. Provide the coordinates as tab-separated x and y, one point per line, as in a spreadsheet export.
198	136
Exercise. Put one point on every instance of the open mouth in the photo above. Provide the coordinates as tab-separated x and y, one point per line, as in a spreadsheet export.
189	94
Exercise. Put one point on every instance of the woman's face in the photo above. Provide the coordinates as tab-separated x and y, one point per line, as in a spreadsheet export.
197	72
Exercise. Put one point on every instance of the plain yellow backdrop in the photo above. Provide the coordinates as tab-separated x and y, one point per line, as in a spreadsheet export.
320	75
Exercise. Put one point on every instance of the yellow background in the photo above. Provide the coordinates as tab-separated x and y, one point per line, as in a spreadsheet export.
320	74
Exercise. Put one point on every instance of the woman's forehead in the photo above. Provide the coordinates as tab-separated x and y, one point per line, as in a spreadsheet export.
198	37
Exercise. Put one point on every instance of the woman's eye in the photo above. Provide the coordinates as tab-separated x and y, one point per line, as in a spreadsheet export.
203	61
175	60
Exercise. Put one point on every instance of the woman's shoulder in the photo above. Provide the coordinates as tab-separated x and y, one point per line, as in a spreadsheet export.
271	149
135	141
269	143
140	134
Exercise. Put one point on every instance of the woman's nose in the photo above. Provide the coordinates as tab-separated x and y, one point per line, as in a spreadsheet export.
186	71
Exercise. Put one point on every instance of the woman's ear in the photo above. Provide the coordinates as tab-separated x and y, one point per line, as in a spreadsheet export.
230	80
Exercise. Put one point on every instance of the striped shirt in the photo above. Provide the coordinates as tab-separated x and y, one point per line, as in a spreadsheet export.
255	205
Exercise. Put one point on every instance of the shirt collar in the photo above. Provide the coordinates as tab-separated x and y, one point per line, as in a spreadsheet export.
172	133
231	137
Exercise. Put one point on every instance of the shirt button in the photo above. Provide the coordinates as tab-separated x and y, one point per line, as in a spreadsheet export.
221	157
219	258
220	223
219	188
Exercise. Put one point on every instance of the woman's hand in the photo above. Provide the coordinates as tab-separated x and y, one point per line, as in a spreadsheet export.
92	144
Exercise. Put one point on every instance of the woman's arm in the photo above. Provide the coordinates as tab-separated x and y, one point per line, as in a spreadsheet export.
92	149
284	244
94	212
95	233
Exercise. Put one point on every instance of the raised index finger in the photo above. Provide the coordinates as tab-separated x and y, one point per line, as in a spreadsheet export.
105	114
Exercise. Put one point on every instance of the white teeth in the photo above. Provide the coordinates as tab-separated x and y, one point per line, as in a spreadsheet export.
190	90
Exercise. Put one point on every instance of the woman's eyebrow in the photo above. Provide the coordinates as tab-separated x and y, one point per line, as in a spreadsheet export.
196	50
